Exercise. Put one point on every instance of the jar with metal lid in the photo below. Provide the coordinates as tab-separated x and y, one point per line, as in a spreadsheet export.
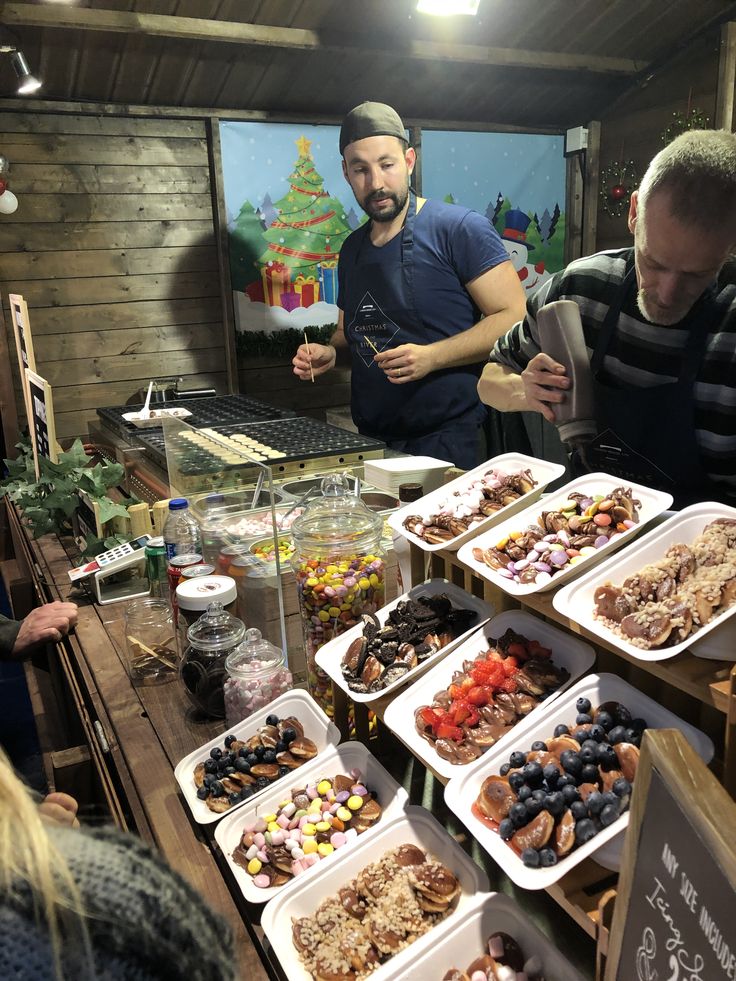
214	636
256	674
339	566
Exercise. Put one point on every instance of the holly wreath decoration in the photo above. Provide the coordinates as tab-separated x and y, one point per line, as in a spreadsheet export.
617	181
692	118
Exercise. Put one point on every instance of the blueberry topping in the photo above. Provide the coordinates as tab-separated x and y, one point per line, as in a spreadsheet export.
583	705
506	829
547	858
530	858
584	831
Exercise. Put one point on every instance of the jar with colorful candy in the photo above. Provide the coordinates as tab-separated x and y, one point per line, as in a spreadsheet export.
340	569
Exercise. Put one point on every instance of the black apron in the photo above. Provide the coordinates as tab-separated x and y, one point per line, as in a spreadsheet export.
380	306
648	435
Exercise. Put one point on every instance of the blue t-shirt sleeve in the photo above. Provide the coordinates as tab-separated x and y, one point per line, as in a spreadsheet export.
476	247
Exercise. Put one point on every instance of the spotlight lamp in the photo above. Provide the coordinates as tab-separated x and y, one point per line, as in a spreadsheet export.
27	82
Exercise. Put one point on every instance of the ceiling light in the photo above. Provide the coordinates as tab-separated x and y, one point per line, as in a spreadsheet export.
447	8
27	82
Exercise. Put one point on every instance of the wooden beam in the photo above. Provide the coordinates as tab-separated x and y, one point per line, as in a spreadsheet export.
292	38
219	217
726	77
249	115
574	208
590	188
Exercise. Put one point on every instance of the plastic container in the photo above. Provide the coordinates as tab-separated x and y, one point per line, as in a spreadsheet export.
181	531
561	337
339	566
211	639
151	642
256	674
193	597
226	519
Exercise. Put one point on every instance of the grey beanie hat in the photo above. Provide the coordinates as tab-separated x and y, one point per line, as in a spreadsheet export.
370	119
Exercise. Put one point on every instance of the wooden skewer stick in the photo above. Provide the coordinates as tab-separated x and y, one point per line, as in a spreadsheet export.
369	341
309	355
148	650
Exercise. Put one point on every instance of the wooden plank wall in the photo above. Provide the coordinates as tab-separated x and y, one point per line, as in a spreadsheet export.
633	128
113	247
272	380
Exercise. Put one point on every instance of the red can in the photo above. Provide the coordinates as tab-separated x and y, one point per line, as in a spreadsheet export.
174	571
228	555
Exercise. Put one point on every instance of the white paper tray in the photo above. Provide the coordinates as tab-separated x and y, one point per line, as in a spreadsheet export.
329	656
567	652
317	727
337	759
542	471
653	502
301	898
576	600
156	418
458	944
462	791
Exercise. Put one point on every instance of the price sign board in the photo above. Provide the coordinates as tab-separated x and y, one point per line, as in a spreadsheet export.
674	916
23	343
41	418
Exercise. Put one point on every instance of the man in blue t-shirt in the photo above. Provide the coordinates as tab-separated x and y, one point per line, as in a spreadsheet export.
425	289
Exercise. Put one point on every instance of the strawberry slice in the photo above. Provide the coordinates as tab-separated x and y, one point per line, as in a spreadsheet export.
429	716
537	650
445	731
516	649
510	666
478	696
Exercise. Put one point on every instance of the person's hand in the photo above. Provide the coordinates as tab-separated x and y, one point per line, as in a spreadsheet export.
545	383
58	808
45	624
406	363
322	357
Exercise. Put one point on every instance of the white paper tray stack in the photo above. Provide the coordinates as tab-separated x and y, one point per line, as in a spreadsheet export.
388	475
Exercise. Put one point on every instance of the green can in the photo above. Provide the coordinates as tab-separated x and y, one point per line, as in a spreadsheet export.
156	568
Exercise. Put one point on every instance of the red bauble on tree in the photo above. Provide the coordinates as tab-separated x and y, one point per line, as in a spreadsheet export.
618	191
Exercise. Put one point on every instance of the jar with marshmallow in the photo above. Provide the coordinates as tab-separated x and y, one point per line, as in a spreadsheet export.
256	674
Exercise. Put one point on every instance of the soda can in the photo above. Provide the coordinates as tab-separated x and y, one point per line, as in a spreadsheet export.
195	571
227	556
156	567
176	567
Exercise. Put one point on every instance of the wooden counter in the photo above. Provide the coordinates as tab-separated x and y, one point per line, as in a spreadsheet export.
133	737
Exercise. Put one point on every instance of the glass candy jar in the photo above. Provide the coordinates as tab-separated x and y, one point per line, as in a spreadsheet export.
256	675
339	566
151	643
210	640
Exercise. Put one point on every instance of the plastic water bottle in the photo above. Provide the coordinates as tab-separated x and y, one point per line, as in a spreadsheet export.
181	531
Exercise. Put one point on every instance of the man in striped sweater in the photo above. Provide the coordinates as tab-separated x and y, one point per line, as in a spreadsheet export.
659	321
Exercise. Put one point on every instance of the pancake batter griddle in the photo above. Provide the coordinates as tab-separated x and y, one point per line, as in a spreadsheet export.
221	410
301	438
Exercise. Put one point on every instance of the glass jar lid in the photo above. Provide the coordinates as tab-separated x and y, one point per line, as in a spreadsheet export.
255	658
337	517
216	630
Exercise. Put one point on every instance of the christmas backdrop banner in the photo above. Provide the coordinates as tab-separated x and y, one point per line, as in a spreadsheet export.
516	179
289	209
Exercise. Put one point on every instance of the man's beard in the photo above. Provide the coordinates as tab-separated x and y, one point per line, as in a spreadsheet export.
385	214
663	318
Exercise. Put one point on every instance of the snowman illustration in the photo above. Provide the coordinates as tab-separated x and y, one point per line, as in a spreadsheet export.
514	240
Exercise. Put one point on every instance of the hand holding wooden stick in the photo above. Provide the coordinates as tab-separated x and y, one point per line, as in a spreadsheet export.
309	355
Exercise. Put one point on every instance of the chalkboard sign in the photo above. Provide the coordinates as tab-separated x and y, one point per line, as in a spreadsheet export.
674	916
41	419
23	343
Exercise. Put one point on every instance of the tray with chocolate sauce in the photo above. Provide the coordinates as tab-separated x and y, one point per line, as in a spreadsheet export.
344	759
319	733
581	600
462	945
568	526
568	654
331	657
478	500
462	792
416	828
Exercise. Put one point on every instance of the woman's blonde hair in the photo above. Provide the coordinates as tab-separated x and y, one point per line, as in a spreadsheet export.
29	858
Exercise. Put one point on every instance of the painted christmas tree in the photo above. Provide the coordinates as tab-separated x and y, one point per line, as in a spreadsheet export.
304	239
246	244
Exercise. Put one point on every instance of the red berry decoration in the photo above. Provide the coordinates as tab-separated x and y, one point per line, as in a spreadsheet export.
3	186
618	191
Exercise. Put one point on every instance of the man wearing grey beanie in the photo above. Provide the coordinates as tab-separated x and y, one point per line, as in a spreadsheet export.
425	289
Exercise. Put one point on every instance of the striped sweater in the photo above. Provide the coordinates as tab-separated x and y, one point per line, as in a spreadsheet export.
645	355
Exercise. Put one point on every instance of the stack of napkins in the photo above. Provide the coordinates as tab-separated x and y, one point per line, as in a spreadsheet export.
388	475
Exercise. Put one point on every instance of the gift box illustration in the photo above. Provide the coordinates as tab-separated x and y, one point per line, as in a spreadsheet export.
328	280
308	289
276	278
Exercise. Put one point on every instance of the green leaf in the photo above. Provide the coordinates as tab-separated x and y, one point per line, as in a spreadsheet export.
62	500
109	509
75	455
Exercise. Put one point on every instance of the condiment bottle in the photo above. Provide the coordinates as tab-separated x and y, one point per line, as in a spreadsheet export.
214	636
408	493
339	566
561	337
256	675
